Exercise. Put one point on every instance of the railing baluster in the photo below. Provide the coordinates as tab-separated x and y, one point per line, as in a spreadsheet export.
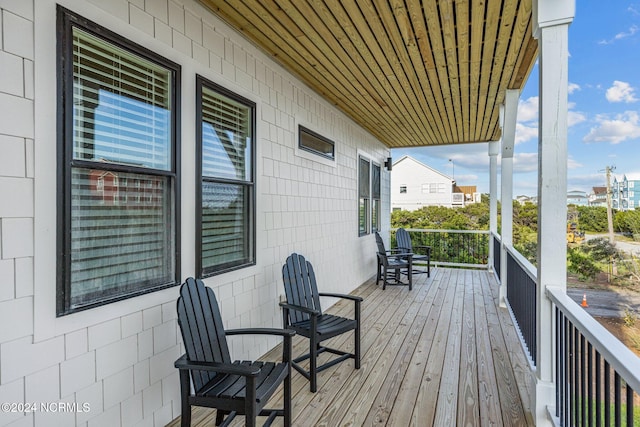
583	385
598	390
607	394
617	400
590	382
629	405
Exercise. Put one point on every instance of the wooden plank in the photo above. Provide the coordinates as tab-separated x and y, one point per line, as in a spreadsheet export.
405	401
488	394
448	394
477	33
425	407
490	32
463	41
468	399
501	68
431	16
395	378
510	402
449	33
422	57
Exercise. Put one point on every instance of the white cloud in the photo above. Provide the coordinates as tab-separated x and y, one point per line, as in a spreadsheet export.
575	117
621	92
525	162
573	87
573	164
624	126
528	109
622	35
525	133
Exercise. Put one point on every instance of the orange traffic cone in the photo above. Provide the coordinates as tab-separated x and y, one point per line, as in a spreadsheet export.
584	301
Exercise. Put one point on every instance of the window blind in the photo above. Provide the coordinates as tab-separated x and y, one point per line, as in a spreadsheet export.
122	232
227	182
121	105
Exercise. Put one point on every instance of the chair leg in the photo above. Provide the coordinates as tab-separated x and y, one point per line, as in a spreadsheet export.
219	416
251	409
287	399
356	335
313	353
185	389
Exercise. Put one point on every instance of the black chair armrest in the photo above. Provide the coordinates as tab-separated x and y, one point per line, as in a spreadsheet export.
222	368
345	296
426	248
261	331
300	308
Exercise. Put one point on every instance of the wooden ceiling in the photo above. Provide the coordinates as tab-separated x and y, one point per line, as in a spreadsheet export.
413	73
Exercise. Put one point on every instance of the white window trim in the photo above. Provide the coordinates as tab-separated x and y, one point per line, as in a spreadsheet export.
308	155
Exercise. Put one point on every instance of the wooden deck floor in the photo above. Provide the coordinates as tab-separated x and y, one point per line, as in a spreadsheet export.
443	354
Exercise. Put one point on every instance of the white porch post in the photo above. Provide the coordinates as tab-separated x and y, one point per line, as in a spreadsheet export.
494	149
551	28
506	175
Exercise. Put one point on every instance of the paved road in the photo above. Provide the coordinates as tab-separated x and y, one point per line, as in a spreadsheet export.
606	303
626	246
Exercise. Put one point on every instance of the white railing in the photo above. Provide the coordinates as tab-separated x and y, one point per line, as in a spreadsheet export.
586	357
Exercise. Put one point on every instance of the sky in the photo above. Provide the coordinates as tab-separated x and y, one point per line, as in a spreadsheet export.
604	109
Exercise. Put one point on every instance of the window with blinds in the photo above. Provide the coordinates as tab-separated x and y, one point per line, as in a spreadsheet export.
118	228
226	147
364	196
375	197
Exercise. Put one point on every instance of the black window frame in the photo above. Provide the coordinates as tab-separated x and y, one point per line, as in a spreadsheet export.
66	22
304	130
364	198
208	271
376	197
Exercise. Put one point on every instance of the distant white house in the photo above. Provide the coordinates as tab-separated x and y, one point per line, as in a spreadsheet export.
414	185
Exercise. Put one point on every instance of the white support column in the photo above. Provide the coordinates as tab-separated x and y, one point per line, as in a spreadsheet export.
551	28
494	149
506	175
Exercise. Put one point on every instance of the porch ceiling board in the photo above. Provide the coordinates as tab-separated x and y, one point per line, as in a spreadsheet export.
413	73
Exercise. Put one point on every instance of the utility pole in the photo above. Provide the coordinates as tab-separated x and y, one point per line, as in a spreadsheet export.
609	209
614	268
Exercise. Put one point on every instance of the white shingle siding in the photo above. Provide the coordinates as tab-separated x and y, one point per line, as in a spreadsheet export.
119	358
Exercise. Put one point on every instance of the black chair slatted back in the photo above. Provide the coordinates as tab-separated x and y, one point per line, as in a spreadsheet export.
382	251
403	240
202	329
300	286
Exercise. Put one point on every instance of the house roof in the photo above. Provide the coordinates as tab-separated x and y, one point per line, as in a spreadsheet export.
407	158
412	73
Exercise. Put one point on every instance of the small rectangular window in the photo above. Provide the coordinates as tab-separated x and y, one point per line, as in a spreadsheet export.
118	135
311	141
403	189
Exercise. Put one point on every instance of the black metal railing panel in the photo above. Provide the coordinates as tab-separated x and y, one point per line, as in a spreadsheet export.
466	248
597	376
521	296
497	254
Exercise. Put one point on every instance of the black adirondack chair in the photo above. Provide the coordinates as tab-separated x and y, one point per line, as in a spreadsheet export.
231	387
391	265
302	313
421	254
